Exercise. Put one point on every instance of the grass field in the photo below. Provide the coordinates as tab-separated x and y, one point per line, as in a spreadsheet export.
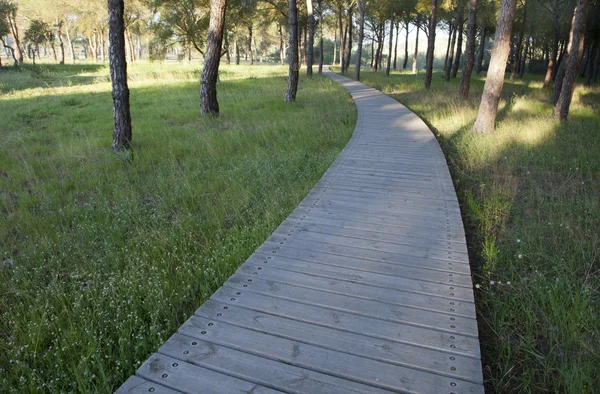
530	196
106	254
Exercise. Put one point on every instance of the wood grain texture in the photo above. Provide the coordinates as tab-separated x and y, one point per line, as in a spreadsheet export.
364	288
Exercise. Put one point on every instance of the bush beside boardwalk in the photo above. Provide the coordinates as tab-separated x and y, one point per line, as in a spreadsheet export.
530	197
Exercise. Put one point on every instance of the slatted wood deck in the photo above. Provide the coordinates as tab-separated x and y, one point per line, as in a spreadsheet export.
365	288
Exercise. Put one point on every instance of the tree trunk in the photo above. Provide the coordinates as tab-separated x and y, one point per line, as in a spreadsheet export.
12	22
53	48
334	47
290	94
486	116
118	74
372	51
431	44
341	31
390	43
361	37
479	65
553	57
280	34
592	63
311	39
378	51
574	57
450	31
349	25
226	47
517	58
396	46
250	54
405	49
102	45
415	67
212	58
465	78
451	55
320	36
461	26
70	44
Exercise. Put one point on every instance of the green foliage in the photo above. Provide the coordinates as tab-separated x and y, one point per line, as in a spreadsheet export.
529	196
38	32
111	254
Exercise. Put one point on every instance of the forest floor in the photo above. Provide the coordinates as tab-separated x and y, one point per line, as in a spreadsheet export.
530	197
104	255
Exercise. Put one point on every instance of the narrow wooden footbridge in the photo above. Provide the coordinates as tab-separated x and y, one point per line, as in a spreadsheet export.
364	288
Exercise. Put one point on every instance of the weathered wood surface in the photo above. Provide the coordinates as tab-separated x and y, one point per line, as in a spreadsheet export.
364	288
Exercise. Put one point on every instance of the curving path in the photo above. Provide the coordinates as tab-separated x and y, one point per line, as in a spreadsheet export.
364	288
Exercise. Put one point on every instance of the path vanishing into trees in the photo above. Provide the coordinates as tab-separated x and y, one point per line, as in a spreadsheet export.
364	288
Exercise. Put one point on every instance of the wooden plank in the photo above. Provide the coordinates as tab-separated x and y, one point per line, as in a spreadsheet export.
266	372
410	356
359	306
343	365
402	228
137	385
383	288
439	249
269	247
358	266
188	378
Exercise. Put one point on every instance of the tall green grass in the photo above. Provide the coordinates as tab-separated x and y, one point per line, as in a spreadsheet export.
107	254
530	196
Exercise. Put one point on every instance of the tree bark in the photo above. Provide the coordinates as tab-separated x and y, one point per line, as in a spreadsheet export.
461	26
517	58
479	66
12	23
280	32
450	31
391	42
290	94
349	25
415	67
311	39
465	78
451	55
372	51
396	45
592	63
486	116
431	44
341	31
212	58
250	54
361	37
70	43
576	50
118	74
553	57
320	36
405	49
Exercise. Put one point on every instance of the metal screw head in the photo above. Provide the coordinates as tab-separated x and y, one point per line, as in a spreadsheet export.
225	307
175	365
238	293
219	314
202	332
452	368
164	375
186	351
151	389
211	324
194	343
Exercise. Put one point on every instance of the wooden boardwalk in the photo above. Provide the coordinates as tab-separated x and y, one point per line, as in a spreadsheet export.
364	288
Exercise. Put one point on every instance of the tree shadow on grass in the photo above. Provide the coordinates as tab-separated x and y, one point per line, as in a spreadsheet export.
49	75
